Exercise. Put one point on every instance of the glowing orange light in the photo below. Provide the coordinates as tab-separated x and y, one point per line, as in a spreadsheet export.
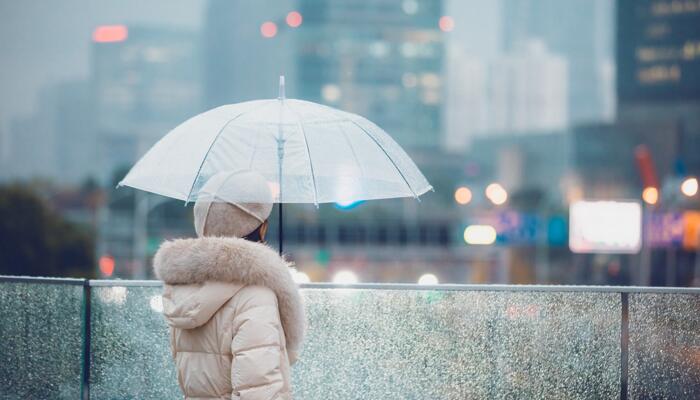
463	195
110	34
106	264
650	195
294	19
446	23
268	29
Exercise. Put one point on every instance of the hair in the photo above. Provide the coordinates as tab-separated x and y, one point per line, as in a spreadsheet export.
255	236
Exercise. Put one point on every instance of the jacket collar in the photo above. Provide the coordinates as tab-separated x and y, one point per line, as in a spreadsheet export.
228	259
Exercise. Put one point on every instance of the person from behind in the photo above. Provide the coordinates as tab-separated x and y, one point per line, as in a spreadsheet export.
235	314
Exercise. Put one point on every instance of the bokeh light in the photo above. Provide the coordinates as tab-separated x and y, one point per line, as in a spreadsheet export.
650	195
330	93
345	277
106	264
268	29
428	279
410	7
463	195
689	187
446	23
496	193
299	277
480	234
110	33
294	19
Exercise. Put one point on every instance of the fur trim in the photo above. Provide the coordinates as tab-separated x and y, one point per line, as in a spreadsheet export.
229	259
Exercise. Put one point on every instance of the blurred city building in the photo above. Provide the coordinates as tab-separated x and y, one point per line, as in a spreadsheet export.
381	59
581	31
515	110
146	80
236	48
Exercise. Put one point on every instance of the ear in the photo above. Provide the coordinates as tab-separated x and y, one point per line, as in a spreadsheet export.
263	230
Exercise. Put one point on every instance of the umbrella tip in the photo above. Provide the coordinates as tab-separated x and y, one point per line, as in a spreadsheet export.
281	95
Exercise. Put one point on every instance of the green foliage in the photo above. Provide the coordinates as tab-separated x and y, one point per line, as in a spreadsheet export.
36	241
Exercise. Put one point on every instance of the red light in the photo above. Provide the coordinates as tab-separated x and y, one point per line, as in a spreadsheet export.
294	19
106	265
446	23
110	33
268	29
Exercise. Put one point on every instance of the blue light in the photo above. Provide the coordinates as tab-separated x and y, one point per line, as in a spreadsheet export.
348	205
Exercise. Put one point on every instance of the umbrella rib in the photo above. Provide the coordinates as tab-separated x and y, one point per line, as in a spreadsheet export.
352	149
213	142
387	156
308	154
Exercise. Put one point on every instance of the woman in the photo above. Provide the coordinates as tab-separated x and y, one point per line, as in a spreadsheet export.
235	314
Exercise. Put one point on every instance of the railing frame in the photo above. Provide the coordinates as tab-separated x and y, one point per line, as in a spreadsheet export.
624	292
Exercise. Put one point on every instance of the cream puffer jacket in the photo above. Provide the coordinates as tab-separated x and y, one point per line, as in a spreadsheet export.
236	317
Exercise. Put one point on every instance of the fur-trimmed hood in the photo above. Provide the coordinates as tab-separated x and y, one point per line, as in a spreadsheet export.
229	259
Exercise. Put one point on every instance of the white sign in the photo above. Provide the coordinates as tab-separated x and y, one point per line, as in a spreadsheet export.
605	227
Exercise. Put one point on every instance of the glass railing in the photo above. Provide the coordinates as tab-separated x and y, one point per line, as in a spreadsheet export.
63	339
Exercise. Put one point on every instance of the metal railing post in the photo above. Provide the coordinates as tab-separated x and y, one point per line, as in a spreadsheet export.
86	340
624	344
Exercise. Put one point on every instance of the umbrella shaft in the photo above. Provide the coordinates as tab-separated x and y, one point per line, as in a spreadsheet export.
281	228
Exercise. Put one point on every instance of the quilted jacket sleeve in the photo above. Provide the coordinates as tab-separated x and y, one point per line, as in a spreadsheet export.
257	346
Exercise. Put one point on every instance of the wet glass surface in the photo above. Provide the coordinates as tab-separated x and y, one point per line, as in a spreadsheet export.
366	344
371	344
130	357
40	341
664	346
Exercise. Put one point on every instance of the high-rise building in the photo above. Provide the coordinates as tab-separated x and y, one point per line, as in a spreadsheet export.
527	90
146	81
76	138
658	50
381	59
241	62
581	31
57	141
521	92
33	141
466	109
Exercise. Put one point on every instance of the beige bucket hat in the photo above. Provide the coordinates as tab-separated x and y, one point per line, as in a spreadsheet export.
232	204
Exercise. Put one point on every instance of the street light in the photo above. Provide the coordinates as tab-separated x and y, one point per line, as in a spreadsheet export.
650	195
496	193
689	187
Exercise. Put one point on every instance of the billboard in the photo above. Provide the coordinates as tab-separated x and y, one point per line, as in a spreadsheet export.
658	50
605	227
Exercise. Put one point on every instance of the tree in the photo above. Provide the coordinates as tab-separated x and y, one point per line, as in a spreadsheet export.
36	241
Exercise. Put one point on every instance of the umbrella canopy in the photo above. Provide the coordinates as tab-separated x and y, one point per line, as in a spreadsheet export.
308	153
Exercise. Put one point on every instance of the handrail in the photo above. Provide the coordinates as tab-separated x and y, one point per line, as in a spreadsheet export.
387	286
35	279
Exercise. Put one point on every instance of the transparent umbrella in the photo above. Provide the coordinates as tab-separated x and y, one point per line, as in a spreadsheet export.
308	153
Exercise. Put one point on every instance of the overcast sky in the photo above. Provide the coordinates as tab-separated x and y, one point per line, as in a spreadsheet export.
44	41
